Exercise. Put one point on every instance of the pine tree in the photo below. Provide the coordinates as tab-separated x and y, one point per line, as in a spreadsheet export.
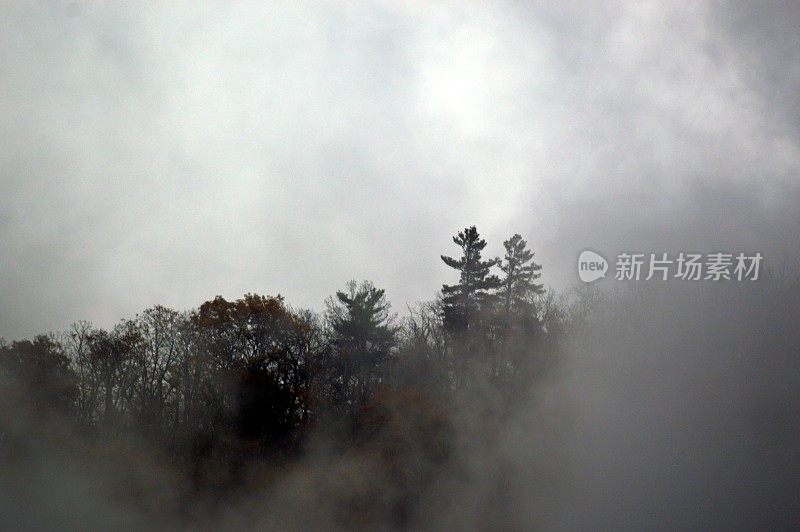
519	282
464	301
363	334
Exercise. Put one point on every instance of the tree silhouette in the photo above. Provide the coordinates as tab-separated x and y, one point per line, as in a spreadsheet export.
463	302
112	358
235	388
258	351
40	370
518	284
363	335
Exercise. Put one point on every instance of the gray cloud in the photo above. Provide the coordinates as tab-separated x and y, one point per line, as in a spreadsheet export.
165	154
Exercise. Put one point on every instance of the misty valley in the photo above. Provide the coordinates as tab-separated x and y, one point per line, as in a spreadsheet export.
243	286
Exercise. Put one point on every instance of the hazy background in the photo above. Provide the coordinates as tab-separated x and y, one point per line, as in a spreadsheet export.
167	153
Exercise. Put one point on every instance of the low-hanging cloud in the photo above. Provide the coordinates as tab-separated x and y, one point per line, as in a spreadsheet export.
164	155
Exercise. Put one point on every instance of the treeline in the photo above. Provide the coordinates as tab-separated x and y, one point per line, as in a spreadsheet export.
232	383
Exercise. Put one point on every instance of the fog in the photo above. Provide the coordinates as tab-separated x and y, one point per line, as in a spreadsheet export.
161	154
668	409
167	154
687	411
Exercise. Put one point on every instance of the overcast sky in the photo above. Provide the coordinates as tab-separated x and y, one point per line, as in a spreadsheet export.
168	153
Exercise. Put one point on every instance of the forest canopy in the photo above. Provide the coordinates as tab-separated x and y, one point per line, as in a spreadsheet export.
233	390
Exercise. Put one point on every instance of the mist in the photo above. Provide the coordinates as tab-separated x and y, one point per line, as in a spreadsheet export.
241	164
161	155
686	410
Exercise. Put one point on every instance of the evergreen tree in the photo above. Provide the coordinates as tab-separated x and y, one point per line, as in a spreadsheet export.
462	302
519	281
363	335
